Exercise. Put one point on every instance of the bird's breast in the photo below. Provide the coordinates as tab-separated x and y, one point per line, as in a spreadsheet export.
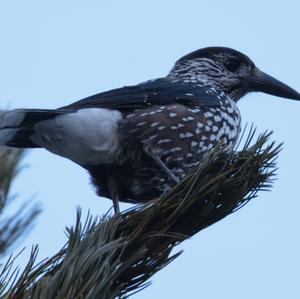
179	135
178	131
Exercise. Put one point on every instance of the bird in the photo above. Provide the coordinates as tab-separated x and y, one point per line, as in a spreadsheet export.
138	141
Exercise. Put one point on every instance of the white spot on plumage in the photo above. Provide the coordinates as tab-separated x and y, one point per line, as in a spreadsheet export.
220	132
154	124
172	114
194	110
217	118
212	137
188	118
229	109
227	130
178	159
153	136
130	115
141	124
175	149
215	129
164	141
171	107
207	114
185	135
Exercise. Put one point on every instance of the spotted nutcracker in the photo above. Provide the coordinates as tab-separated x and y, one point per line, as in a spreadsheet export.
137	141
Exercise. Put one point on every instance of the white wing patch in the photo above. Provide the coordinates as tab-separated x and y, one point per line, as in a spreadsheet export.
87	137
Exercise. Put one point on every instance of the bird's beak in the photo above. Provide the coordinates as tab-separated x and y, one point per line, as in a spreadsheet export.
265	83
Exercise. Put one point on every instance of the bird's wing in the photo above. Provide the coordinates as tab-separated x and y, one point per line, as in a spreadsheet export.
154	92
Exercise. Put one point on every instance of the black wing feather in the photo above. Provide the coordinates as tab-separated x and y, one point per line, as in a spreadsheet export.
161	91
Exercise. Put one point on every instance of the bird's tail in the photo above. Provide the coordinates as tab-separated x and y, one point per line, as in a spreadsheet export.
17	126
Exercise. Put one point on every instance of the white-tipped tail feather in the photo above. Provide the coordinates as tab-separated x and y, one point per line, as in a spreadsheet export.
11	118
9	122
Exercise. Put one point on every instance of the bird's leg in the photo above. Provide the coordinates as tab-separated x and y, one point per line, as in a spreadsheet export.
116	205
163	166
114	195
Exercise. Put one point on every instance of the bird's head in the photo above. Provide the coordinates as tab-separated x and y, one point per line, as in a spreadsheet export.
228	71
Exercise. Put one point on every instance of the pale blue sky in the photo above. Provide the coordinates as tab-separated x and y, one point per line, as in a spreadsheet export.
55	52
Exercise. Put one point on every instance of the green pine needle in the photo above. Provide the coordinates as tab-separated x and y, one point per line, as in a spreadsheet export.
115	256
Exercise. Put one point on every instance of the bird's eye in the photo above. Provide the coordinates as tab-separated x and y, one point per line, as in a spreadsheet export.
232	65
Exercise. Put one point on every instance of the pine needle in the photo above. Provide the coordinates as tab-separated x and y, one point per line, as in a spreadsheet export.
115	256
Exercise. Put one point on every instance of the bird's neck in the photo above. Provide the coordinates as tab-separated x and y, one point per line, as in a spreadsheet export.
190	72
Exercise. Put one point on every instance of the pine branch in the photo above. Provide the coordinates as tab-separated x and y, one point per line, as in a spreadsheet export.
14	227
114	256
